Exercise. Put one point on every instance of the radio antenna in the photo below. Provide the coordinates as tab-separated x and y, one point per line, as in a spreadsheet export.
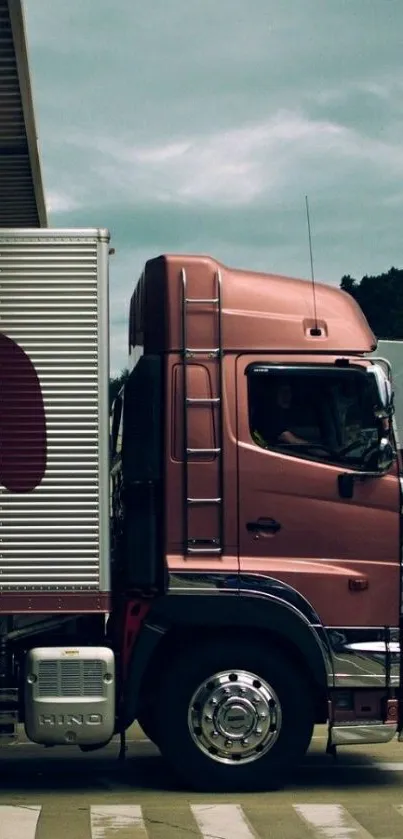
317	331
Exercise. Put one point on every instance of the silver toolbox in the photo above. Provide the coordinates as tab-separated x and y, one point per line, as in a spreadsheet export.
70	695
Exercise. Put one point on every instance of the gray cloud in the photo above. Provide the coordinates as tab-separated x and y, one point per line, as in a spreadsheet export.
199	127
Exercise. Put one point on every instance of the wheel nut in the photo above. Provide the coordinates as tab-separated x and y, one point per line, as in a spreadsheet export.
208	718
263	716
245	742
228	744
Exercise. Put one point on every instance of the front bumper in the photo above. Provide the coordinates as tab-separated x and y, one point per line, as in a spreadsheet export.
364	657
363	682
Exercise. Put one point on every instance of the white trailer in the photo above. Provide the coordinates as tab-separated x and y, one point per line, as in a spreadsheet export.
54	306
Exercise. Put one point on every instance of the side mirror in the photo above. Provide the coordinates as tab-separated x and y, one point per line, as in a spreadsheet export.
377	465
382	458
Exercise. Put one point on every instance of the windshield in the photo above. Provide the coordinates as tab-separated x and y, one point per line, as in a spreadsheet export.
338	415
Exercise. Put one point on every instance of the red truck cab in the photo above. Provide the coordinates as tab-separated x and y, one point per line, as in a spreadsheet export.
256	503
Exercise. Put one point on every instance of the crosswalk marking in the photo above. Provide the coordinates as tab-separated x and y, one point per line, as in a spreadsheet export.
222	821
207	821
331	821
118	820
18	822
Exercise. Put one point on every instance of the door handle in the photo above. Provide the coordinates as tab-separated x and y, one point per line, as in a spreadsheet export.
263	525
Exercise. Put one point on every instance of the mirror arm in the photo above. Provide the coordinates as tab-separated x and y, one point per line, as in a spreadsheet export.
346	481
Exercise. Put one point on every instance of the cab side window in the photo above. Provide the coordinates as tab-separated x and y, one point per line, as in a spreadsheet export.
116	427
326	415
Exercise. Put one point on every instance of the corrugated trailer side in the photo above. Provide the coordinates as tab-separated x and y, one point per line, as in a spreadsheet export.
54	540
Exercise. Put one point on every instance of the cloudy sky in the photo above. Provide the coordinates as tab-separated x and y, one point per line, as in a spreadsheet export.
200	125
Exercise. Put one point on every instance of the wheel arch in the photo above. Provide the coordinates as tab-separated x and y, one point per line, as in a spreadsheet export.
178	621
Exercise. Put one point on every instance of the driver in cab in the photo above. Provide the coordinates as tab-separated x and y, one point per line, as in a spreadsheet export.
280	420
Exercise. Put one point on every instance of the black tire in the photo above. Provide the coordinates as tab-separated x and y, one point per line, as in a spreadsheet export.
201	771
147	722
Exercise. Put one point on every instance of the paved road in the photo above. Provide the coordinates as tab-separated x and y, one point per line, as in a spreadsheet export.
62	794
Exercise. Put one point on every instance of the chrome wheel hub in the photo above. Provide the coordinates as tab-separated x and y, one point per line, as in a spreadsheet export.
234	717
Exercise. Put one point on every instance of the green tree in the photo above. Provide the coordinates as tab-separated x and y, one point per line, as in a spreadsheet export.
381	299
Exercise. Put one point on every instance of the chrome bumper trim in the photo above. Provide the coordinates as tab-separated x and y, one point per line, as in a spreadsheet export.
364	657
353	735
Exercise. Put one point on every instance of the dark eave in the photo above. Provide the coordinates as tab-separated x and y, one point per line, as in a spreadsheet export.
22	201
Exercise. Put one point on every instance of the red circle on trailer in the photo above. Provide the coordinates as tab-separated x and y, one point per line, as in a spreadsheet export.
23	443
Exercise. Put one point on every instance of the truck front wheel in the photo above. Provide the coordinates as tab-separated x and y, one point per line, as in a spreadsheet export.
233	715
146	721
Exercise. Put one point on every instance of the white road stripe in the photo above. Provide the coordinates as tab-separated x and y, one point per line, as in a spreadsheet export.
389	767
18	822
118	819
331	821
222	821
347	767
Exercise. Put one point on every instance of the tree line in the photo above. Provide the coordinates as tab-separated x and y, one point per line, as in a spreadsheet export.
380	297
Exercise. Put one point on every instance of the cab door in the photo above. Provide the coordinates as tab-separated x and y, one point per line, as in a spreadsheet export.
341	553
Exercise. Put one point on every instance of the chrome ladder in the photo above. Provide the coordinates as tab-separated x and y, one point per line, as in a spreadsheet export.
202	545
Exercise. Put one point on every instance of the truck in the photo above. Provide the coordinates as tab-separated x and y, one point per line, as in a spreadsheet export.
218	559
